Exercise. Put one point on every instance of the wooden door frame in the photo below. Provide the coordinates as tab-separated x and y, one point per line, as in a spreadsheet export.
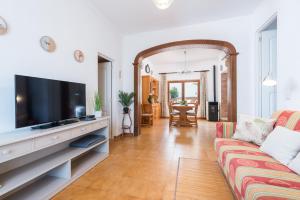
227	47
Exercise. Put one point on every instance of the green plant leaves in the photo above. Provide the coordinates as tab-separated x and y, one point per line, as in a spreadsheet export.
126	99
98	103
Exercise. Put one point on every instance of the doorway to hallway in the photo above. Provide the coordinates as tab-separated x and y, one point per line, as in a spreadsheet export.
105	86
267	90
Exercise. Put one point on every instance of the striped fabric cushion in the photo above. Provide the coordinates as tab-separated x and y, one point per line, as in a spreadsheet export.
253	174
288	119
225	129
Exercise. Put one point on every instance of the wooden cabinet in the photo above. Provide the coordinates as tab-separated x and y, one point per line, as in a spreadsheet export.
150	86
155	87
156	110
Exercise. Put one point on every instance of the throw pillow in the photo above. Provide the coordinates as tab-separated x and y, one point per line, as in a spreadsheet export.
295	164
282	144
253	129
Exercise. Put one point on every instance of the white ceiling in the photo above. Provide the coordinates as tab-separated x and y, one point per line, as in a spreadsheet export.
193	55
133	16
197	59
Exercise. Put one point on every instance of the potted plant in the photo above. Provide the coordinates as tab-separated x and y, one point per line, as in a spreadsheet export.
183	103
126	99
98	104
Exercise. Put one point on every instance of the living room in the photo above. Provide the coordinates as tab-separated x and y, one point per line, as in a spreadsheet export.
63	40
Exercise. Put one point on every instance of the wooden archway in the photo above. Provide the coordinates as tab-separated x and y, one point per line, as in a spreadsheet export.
227	47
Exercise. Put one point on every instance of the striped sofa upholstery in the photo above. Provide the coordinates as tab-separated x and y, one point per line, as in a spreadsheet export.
252	174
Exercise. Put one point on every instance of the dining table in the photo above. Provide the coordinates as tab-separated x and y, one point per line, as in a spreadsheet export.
183	109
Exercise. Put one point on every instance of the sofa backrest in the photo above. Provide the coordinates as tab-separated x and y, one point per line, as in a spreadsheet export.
287	118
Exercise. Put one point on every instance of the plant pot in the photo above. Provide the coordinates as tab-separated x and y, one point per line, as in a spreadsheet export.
126	110
98	114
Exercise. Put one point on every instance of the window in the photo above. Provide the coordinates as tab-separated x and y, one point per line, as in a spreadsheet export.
175	92
184	90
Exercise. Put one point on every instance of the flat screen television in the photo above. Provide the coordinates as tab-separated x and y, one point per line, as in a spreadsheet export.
41	101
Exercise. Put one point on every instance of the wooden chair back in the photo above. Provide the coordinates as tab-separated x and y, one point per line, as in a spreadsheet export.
196	102
196	107
170	105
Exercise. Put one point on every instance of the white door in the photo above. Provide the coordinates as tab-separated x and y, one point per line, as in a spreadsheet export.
105	87
268	66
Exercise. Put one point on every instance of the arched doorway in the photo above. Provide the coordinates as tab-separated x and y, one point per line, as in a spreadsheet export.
227	47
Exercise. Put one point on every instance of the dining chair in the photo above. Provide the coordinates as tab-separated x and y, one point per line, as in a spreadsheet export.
193	114
174	115
147	115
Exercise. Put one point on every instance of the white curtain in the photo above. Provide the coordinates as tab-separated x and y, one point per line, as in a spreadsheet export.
203	94
164	96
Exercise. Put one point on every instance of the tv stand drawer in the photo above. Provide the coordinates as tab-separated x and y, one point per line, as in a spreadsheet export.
77	132
80	131
99	125
52	139
12	151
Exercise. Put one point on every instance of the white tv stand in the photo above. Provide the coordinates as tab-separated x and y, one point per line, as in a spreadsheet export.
36	164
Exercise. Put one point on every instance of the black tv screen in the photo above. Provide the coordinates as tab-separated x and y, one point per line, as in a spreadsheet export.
40	101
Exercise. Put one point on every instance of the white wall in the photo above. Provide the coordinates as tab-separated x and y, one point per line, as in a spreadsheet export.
236	30
288	94
199	65
74	24
153	72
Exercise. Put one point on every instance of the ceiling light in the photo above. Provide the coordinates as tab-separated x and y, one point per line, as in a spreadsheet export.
185	70
163	4
268	81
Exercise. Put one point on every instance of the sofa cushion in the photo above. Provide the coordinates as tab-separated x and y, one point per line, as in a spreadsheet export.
285	151
253	174
253	129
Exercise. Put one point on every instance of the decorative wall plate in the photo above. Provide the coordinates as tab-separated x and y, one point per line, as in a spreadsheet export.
48	44
3	26
147	69
79	56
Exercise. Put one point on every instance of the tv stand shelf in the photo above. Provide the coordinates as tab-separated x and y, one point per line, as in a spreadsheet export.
51	169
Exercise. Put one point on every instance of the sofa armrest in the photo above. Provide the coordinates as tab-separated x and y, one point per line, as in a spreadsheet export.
225	129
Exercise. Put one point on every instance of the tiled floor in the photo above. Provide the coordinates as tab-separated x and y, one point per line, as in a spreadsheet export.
145	167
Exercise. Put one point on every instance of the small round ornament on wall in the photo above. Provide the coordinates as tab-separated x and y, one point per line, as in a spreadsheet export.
48	44
79	56
3	26
147	69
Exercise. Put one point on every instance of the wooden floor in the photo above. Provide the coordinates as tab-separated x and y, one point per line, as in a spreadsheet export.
145	167
200	179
